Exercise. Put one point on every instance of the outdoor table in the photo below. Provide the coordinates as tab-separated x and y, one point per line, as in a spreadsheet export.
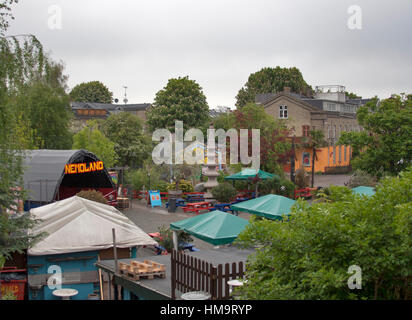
225	207
196	295
65	294
191	198
196	206
179	203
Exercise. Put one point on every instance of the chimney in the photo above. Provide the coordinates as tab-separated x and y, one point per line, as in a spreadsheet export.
286	89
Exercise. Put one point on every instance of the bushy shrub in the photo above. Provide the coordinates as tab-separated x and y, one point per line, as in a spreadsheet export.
302	179
224	192
166	238
362	178
284	187
185	186
93	195
333	194
309	257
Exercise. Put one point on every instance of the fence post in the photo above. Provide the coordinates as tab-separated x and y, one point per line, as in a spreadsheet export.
213	282
173	275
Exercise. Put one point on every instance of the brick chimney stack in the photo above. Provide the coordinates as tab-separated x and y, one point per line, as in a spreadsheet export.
286	89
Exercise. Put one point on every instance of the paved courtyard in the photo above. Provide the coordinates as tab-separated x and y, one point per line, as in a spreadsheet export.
150	219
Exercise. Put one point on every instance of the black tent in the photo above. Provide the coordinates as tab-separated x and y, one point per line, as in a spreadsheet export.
46	173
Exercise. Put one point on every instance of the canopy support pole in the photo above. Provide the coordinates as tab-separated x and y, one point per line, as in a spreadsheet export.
175	243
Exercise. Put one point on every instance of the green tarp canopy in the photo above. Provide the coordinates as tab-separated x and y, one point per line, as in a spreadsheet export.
246	174
367	191
270	206
215	227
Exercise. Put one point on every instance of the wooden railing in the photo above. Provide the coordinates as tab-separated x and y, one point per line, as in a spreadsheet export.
192	274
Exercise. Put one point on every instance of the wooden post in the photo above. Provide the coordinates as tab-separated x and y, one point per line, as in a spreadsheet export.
175	241
116	267
173	275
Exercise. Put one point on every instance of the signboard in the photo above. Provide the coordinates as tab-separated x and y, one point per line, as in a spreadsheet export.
114	176
155	199
83	167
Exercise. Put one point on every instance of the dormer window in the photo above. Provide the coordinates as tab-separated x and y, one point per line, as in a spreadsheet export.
283	112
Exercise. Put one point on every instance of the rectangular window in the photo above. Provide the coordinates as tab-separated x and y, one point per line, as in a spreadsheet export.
305	131
283	112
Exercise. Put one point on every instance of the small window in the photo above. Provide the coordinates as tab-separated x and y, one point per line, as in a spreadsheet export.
305	131
283	112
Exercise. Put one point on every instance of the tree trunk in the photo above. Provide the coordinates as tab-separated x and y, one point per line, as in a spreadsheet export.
313	165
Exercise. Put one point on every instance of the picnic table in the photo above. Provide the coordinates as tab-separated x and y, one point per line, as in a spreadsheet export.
195	198
225	207
197	206
179	203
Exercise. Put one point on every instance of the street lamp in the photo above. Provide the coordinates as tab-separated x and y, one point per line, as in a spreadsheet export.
148	174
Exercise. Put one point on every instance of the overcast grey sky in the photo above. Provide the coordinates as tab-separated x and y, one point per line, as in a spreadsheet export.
218	43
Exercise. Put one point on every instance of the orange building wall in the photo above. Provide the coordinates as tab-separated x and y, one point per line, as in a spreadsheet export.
324	158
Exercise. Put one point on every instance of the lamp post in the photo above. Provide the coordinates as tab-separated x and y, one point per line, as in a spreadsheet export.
148	175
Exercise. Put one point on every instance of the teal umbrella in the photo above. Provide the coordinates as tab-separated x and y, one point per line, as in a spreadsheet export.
215	227
367	191
271	206
246	174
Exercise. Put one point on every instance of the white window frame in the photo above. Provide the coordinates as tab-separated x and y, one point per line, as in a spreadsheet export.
283	112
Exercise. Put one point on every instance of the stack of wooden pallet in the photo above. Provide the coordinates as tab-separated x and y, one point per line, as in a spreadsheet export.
146	269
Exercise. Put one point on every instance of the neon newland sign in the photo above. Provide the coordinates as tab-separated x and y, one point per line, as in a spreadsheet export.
83	167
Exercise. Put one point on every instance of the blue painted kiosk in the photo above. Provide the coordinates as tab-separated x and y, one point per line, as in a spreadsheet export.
78	233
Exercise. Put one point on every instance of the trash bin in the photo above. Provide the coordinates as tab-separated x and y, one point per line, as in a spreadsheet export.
13	280
172	204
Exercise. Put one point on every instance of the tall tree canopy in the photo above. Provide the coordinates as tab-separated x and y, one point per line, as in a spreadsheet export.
182	99
130	142
271	80
93	91
274	147
21	59
386	143
92	139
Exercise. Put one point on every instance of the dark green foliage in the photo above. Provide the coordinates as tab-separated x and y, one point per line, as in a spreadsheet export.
93	91
46	110
271	80
92	139
224	192
130	143
182	99
386	143
308	256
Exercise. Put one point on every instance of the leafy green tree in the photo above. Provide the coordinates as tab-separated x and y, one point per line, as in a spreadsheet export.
46	111
17	64
92	139
182	99
308	255
131	144
93	91
274	147
271	80
386	143
351	95
315	140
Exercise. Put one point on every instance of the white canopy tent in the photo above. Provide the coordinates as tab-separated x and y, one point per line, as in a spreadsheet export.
77	225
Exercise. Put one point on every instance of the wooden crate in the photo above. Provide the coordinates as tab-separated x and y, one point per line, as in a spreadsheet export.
147	269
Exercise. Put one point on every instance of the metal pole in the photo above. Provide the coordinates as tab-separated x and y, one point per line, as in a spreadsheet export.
175	243
115	251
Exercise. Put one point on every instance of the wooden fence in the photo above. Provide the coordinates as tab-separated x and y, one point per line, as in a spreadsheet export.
192	274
